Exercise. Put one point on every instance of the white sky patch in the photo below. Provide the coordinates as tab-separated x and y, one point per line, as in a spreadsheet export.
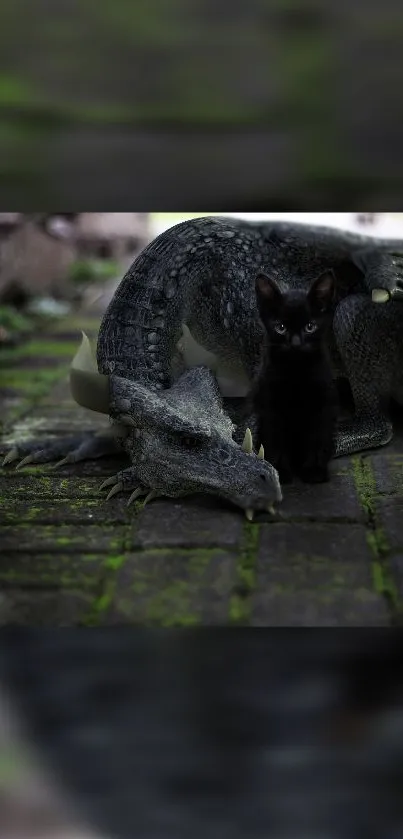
389	225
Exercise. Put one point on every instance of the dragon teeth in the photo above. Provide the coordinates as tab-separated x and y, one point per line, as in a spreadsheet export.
249	514
260	454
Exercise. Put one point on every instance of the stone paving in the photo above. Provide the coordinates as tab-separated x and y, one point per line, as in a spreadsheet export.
332	557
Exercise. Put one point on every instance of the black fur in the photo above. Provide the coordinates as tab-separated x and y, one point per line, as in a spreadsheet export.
294	397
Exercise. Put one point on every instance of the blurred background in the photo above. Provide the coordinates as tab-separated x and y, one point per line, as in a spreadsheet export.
169	735
211	104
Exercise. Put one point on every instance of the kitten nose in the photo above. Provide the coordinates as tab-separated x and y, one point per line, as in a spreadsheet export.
295	341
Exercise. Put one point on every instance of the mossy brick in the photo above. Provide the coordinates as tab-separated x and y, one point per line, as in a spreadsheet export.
30	537
240	604
318	574
69	511
333	501
50	608
85	469
321	552
187	523
389	514
388	473
360	608
396	570
62	568
174	588
31	489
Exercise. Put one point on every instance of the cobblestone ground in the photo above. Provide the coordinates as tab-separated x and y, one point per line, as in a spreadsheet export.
68	557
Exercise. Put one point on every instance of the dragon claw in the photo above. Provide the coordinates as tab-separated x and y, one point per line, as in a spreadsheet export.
10	456
114	491
150	496
61	462
108	483
137	492
24	462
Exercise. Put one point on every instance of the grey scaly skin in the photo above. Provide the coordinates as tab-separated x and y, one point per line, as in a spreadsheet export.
201	273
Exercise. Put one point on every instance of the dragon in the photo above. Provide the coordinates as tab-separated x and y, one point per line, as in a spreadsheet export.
181	341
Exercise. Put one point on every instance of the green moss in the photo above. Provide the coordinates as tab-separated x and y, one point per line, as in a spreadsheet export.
53	349
384	584
237	610
8	378
365	485
12	354
382	577
33	512
171	606
100	605
240	603
115	562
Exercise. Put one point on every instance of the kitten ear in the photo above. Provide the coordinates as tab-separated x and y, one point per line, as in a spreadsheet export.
322	290
267	291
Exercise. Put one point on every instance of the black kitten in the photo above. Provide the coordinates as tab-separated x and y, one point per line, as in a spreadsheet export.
294	397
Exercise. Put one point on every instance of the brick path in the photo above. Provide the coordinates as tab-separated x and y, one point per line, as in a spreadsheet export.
334	558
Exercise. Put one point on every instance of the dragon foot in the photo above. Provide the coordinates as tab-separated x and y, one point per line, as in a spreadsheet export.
126	481
67	450
363	432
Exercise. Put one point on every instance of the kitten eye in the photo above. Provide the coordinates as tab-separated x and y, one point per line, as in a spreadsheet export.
311	327
280	328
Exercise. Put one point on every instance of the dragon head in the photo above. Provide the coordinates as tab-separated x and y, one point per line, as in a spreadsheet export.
181	442
180	439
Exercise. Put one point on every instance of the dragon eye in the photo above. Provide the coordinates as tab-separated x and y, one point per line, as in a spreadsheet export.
311	327
280	328
190	442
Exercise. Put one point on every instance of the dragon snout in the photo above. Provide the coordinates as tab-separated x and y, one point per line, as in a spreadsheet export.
268	490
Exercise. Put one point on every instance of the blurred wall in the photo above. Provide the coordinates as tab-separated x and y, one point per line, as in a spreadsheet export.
217	105
33	263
